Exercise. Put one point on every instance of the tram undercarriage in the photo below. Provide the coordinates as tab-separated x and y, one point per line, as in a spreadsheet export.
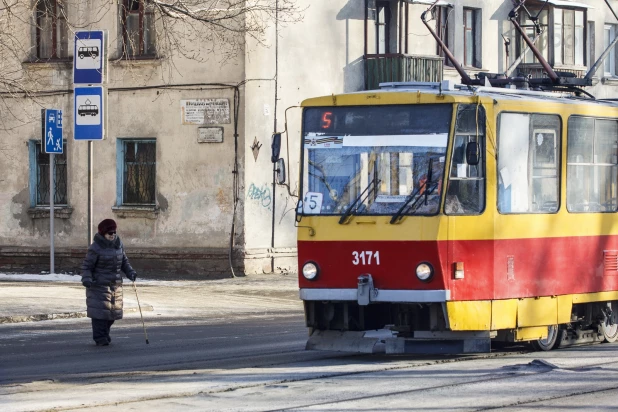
423	328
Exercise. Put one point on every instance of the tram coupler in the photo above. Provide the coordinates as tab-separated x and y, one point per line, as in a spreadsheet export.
365	289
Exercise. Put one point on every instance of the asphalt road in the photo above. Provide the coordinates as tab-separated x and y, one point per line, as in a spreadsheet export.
63	348
253	362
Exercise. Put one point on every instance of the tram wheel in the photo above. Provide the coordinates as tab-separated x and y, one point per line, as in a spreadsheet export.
551	341
610	332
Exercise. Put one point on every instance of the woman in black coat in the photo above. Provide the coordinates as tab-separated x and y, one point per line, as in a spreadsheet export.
103	282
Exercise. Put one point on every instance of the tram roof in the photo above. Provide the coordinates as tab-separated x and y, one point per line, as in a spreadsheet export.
450	88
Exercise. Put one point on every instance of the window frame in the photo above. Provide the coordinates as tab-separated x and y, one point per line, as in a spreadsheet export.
474	27
468	27
443	30
121	171
481	140
558	145
141	13
593	163
563	24
58	14
523	18
611	57
386	7
552	55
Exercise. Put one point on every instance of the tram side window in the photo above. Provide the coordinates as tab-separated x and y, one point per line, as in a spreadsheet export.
528	163
592	165
466	187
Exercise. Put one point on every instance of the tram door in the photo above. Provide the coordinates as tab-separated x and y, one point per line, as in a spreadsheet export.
465	196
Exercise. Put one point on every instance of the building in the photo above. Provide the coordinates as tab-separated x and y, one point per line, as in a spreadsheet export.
185	167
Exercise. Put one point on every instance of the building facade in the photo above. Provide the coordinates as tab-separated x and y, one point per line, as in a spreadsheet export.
185	167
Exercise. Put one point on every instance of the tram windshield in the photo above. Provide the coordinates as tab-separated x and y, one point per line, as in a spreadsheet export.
373	159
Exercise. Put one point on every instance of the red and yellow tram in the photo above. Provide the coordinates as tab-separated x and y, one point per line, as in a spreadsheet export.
438	218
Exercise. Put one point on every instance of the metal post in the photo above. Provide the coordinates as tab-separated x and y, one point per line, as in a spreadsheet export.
51	212
90	197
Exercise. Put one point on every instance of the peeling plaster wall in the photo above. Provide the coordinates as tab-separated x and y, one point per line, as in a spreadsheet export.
194	181
320	55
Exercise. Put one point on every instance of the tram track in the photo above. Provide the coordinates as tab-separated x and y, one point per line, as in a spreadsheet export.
280	374
493	379
374	367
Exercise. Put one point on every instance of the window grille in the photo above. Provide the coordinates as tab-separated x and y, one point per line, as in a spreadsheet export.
139	172
42	177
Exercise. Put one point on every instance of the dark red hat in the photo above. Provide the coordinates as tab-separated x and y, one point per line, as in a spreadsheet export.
107	225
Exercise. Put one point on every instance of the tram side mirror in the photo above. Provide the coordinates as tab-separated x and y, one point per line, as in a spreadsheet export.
280	169
473	153
276	147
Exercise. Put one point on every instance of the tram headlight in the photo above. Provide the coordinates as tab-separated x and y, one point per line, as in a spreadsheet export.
311	270
424	271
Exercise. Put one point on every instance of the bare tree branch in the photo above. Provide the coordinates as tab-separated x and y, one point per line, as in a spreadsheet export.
36	38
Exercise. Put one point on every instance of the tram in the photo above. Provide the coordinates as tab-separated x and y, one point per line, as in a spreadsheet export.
439	218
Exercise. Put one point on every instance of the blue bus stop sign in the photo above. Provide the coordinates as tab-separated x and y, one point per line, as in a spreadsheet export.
88	113
52	131
89	57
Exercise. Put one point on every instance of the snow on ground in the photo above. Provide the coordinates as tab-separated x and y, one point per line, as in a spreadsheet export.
271	282
41	277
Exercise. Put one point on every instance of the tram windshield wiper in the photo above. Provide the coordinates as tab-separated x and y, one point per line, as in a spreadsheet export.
413	201
358	202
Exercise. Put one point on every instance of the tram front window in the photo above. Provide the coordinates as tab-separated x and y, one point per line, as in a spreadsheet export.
374	158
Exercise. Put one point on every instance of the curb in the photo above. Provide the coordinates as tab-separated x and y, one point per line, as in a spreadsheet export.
64	315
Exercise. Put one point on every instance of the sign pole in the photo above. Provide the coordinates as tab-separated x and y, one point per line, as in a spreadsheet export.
89	75
90	193
52	140
51	212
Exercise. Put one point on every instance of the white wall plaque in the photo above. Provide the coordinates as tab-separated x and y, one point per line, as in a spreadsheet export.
205	111
210	134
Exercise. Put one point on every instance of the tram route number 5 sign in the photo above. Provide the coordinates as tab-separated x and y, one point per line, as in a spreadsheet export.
312	203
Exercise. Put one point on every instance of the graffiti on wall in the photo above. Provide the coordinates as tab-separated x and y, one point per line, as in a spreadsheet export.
260	195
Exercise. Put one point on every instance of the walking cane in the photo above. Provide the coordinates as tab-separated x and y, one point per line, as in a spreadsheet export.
140	313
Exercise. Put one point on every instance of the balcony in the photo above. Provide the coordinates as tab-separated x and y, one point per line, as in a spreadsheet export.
381	68
535	70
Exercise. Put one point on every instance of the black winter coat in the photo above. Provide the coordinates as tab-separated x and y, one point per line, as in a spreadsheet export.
102	266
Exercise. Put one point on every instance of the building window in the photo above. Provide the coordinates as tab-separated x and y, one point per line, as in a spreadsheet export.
541	43
442	29
569	37
592	165
567	43
472	38
51	30
39	176
137	172
138	28
590	44
383	22
609	33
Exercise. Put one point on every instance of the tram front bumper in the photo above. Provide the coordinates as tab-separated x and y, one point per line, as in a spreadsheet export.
386	341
